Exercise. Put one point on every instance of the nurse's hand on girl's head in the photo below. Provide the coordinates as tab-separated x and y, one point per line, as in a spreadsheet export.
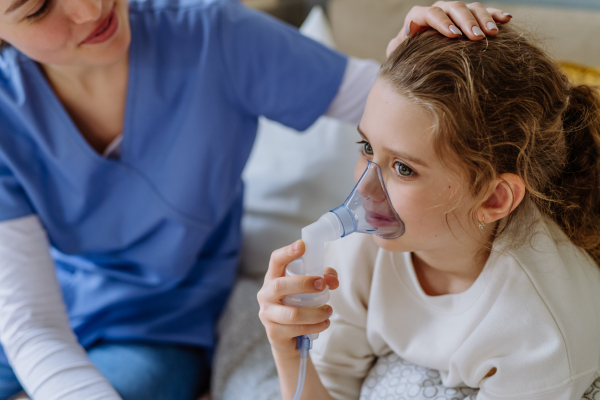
452	19
284	323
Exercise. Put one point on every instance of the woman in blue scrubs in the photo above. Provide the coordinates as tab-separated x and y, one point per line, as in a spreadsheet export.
124	129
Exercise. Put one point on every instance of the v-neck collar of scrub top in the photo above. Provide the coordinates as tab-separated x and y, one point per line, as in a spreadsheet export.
72	130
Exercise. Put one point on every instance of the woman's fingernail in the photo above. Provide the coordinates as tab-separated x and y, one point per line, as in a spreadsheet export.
455	30
408	28
329	312
507	14
477	31
319	284
296	246
491	26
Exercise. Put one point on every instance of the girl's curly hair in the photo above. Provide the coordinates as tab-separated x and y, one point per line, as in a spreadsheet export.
501	105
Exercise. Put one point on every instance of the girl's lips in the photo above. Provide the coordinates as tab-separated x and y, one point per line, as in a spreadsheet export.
105	30
378	220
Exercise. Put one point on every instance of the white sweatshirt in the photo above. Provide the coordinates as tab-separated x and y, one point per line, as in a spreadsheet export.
532	319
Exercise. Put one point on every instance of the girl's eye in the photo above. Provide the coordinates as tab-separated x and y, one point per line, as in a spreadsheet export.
403	169
366	147
40	12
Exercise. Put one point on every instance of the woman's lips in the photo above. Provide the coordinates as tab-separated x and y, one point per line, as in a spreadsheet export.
105	30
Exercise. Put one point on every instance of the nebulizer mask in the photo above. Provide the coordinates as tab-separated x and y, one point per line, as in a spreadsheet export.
368	209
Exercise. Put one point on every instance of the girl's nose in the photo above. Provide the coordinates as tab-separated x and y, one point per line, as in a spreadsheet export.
370	186
83	11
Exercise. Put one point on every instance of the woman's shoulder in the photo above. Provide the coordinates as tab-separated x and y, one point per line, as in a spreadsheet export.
13	81
192	9
184	31
173	5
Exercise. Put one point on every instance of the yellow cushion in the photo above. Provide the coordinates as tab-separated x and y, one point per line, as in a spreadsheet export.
581	74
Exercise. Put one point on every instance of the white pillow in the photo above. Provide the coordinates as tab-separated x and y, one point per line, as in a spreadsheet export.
293	178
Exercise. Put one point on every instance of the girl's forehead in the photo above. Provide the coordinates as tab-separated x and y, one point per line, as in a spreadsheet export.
393	121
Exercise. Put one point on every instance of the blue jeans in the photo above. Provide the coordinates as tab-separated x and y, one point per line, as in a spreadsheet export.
140	371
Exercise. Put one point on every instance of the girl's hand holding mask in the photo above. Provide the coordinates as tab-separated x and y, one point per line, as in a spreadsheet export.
283	323
452	19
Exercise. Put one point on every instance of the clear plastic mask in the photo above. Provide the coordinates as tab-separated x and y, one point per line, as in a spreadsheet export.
368	209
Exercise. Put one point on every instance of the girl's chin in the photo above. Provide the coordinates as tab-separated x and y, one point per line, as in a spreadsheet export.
394	245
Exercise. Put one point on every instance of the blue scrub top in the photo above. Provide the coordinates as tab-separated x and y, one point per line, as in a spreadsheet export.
147	246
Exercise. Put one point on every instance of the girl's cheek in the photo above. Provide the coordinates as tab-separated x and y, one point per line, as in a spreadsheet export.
406	200
361	165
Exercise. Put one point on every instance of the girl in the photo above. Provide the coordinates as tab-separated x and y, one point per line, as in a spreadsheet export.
492	159
124	129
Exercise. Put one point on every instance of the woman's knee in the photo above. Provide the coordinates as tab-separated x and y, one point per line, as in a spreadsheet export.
152	371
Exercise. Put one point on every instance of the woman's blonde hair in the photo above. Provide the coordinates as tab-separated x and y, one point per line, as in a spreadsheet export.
501	105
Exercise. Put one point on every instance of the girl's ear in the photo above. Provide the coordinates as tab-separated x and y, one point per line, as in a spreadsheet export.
506	193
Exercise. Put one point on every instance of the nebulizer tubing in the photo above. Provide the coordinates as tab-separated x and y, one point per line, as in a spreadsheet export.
367	209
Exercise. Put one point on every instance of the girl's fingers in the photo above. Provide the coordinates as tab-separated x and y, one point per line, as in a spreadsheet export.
278	288
331	278
484	18
280	258
283	333
284	315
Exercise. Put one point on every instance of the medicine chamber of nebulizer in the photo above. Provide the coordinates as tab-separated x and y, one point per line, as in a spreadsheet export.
367	209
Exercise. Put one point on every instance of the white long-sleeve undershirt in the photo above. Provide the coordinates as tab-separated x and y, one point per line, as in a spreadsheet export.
34	329
349	103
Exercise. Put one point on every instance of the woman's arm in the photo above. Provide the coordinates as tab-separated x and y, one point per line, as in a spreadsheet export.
34	329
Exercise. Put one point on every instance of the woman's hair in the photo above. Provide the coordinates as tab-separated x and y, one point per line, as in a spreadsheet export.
501	105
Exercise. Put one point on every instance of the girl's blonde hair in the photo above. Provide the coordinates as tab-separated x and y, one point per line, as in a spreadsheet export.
501	105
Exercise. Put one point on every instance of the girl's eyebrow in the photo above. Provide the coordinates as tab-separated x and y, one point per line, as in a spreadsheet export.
398	154
15	5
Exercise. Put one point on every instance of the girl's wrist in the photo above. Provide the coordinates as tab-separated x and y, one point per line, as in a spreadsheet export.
285	354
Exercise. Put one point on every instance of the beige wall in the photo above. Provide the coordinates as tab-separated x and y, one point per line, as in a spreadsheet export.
363	27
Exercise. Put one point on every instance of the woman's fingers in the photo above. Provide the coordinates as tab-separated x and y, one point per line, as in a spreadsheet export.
499	15
437	18
484	18
474	19
452	19
280	258
464	18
